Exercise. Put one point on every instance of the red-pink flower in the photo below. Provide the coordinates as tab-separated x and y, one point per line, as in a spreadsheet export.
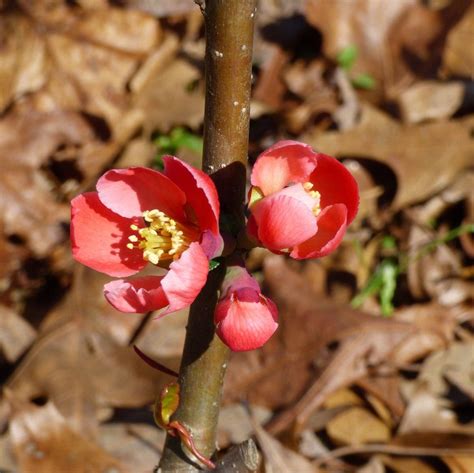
140	216
245	319
301	202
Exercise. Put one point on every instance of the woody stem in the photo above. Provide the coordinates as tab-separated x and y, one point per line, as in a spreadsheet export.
229	42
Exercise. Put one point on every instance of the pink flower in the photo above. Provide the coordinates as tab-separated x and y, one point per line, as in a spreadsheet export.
301	202
245	319
140	216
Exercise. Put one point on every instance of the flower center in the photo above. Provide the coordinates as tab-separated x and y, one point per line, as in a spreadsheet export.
163	239
308	187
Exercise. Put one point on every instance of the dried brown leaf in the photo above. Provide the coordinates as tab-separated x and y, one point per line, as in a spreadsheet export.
367	25
22	68
357	426
16	334
79	366
458	464
416	154
172	86
44	442
458	57
137	446
278	458
430	100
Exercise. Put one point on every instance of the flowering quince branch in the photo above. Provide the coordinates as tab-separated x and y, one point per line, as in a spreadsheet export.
299	204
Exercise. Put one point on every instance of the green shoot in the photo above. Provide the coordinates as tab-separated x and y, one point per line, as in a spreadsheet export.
347	57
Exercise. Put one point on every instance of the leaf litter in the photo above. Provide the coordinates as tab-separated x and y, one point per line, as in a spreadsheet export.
386	87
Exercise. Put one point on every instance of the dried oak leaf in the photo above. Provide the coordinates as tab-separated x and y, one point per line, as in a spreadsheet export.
308	324
78	365
44	442
416	154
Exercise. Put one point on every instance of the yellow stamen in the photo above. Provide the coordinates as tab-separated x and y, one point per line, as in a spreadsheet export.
163	239
308	187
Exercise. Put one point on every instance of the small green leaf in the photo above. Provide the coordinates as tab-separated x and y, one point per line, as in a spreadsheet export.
158	163
389	272
213	264
182	138
167	404
363	81
388	242
372	287
347	57
255	195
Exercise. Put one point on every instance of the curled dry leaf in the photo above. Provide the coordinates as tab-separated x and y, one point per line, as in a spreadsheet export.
430	100
43	442
417	154
278	458
428	407
438	273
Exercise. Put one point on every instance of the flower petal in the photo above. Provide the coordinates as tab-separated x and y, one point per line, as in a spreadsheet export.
185	278
246	320
136	295
211	244
283	221
99	238
129	192
332	224
201	193
237	277
336	185
284	163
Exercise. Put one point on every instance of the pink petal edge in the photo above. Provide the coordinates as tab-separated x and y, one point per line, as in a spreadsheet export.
332	224
245	321
283	221
185	278
200	191
286	162
137	295
129	192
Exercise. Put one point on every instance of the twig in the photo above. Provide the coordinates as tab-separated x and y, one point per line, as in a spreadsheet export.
242	458
392	450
